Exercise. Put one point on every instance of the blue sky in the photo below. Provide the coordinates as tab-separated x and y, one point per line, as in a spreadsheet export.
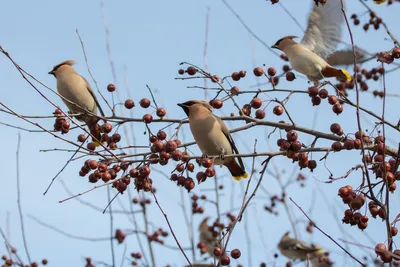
148	41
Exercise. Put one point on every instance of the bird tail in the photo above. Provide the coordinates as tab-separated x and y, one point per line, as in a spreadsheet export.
345	75
338	73
236	170
95	131
378	2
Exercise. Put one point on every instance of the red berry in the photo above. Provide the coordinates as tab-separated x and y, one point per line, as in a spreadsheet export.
258	71
216	103
111	87
144	103
290	76
225	260
129	103
147	118
256	102
323	93
236	253
336	146
313	91
278	110
260	114
217	252
234	90
271	71
235	76
161	112
337	108
191	70
292	136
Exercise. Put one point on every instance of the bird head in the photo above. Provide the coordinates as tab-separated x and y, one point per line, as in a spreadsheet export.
186	106
280	44
57	67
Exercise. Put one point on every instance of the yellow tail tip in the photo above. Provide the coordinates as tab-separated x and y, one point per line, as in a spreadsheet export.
238	178
347	75
378	2
97	143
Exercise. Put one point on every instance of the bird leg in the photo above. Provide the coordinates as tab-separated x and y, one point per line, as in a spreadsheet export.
204	156
222	155
323	84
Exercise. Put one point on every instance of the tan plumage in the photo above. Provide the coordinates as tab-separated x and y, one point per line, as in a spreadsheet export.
207	237
297	250
345	57
320	40
212	136
77	90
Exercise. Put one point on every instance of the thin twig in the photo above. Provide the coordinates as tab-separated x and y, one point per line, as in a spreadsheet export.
334	241
19	202
172	231
111	227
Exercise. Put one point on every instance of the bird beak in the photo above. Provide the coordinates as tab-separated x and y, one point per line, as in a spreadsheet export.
51	72
275	46
181	105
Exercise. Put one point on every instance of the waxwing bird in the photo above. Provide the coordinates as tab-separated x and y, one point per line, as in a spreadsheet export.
213	137
320	40
297	250
207	237
78	91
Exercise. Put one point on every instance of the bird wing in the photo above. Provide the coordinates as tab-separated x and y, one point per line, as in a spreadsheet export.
324	28
345	57
229	137
89	88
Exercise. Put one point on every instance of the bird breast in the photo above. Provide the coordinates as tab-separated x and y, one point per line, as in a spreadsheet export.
74	88
209	137
304	60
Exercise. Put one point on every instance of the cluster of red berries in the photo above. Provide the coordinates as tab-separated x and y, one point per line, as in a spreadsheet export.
209	172
271	74
388	57
224	259
61	124
301	178
120	236
143	202
387	171
144	103
292	146
102	170
355	202
385	255
195	204
142	181
374	21
255	103
155	237
237	75
317	95
349	143
192	71
9	262
136	256
274	199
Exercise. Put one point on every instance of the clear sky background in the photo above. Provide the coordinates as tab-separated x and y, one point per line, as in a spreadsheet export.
148	41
